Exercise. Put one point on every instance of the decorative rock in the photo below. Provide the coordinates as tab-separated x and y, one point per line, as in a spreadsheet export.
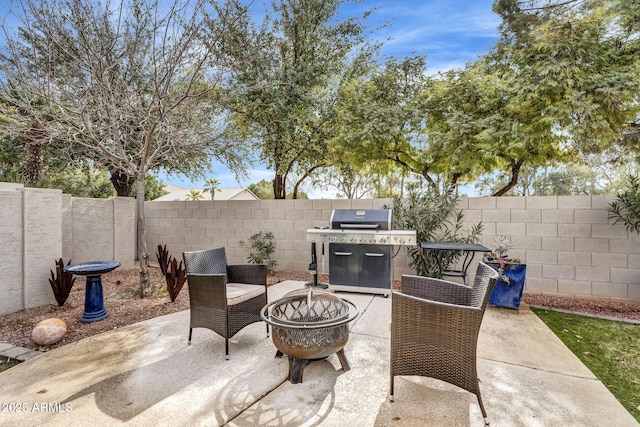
49	331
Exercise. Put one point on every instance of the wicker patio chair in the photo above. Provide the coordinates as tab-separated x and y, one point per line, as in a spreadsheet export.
224	298
434	329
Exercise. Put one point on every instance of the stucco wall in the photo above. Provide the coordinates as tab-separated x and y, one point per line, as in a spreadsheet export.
11	231
39	226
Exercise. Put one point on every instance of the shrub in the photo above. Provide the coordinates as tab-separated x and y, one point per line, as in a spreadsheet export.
261	246
626	207
435	218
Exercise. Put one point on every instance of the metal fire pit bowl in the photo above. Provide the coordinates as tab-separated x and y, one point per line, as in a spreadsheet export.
309	324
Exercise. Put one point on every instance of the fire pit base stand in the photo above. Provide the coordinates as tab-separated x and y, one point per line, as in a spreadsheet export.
296	365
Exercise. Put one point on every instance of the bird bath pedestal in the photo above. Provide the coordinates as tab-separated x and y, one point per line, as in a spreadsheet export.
93	298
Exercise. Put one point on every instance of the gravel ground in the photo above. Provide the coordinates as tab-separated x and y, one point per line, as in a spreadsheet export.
124	305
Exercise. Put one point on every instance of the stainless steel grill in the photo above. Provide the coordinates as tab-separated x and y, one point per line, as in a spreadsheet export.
360	244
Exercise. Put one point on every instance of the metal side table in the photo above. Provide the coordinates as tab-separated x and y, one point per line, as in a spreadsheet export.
468	249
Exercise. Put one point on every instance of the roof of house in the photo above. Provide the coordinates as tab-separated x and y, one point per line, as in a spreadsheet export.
180	193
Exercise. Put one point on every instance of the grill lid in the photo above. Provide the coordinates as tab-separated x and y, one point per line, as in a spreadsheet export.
359	219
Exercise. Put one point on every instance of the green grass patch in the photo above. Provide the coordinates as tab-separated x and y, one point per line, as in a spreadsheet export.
610	349
6	363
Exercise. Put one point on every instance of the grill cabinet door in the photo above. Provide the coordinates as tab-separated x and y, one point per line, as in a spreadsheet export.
375	266
343	264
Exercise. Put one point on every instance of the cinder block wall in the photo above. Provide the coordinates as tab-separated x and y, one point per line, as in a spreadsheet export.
569	246
192	225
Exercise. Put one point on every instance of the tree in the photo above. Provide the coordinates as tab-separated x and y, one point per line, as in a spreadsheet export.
593	174
130	84
194	195
290	75
262	189
570	70
212	185
379	119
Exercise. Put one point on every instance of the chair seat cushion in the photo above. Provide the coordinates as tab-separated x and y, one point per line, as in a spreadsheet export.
240	292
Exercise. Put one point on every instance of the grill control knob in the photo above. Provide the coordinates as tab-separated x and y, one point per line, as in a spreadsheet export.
383	240
333	239
343	239
353	239
402	241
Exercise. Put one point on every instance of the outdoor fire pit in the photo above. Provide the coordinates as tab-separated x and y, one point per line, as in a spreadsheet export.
309	324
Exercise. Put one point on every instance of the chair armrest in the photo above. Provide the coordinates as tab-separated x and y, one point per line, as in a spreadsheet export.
437	290
253	274
207	290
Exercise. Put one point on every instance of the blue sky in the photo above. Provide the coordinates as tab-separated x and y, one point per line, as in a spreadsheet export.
449	32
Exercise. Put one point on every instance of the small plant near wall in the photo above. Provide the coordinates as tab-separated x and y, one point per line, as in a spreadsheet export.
61	282
261	247
175	274
500	256
626	207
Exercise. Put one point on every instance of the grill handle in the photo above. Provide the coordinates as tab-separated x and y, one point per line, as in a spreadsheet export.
343	253
360	226
373	255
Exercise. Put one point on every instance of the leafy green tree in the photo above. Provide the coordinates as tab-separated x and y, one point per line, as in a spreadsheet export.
289	75
593	174
79	182
129	84
570	74
263	189
380	119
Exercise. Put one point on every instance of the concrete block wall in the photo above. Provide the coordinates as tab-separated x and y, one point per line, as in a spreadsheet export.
193	225
39	226
569	245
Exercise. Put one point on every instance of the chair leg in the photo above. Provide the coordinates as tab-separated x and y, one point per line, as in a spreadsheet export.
391	389
484	413
267	330
226	347
190	332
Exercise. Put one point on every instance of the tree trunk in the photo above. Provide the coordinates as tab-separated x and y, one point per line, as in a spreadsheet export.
143	254
279	189
515	173
36	137
122	183
33	169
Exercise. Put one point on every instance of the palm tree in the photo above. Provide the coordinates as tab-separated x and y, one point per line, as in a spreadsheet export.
211	186
194	195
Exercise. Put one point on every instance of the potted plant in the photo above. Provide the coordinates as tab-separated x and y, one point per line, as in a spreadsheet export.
512	273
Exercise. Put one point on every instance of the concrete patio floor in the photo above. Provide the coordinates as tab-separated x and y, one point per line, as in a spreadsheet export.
146	375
